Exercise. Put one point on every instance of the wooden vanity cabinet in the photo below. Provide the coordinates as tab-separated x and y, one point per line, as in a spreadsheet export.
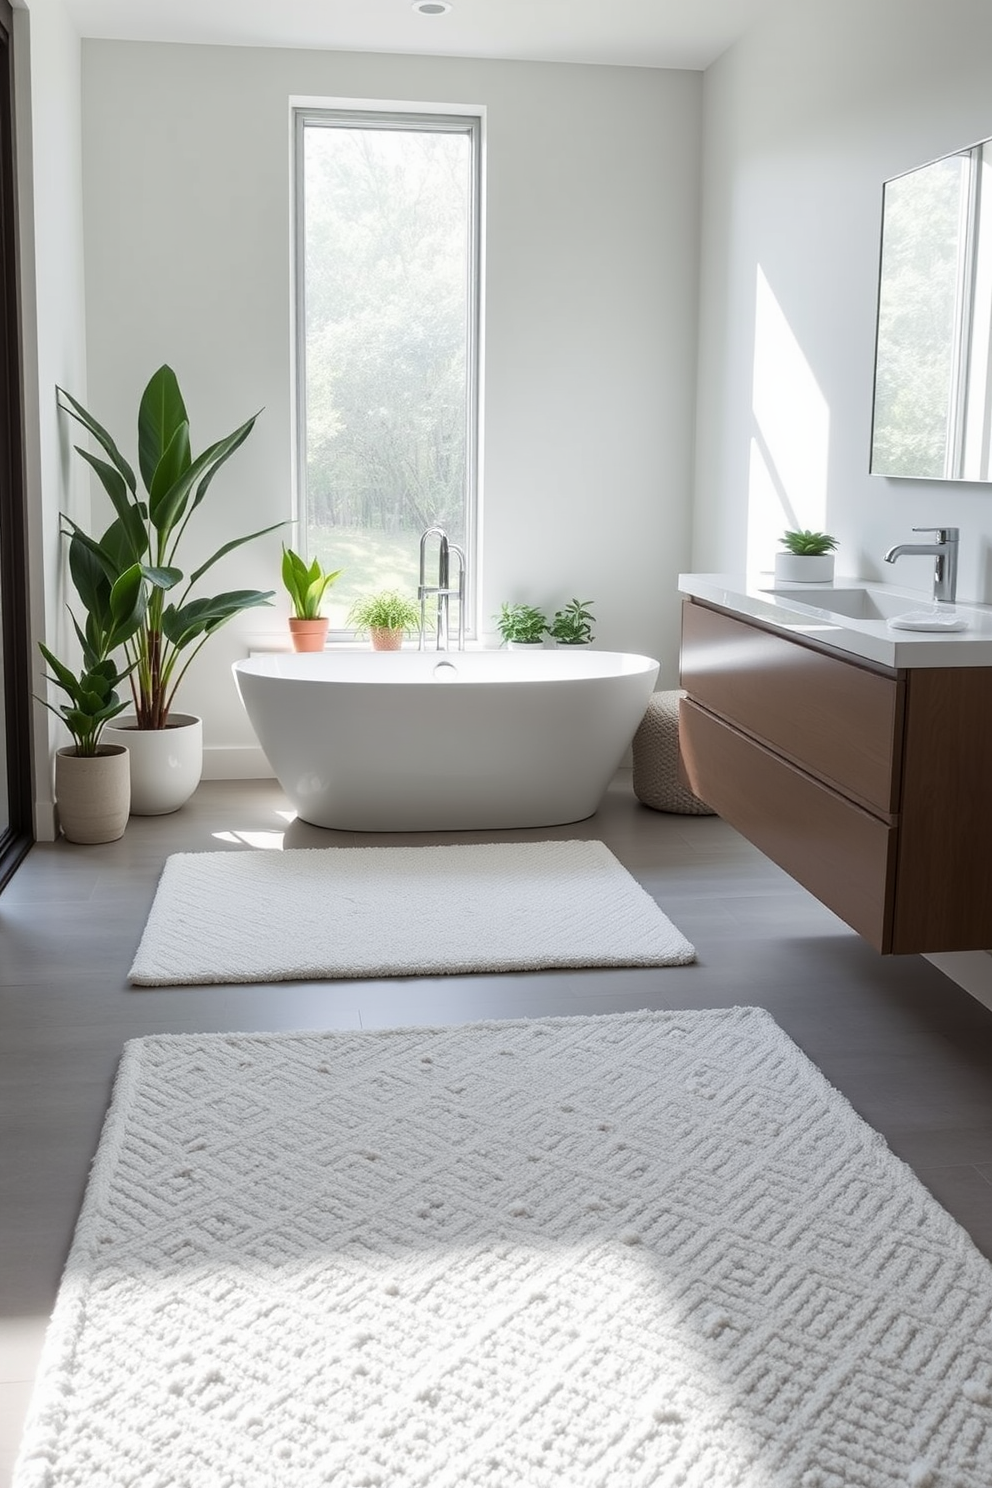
871	787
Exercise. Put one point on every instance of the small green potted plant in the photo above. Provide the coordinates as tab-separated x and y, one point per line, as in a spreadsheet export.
521	625
306	584
386	617
93	779
808	558
572	624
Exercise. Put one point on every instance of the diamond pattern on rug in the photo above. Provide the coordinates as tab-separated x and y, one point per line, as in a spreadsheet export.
611	1252
315	913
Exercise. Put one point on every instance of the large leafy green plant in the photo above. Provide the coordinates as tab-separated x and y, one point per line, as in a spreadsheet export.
146	533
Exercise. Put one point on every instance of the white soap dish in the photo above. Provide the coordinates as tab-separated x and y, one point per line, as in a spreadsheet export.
934	620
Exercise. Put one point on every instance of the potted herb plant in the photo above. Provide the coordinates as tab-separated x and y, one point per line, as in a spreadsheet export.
92	779
386	617
521	625
307	584
572	624
147	530
808	558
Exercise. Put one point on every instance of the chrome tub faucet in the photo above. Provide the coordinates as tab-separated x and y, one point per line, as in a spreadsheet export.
945	551
442	590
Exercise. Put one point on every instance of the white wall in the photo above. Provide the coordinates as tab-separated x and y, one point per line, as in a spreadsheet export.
50	224
803	121
590	299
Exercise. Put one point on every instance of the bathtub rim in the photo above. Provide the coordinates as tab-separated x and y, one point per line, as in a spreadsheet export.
412	668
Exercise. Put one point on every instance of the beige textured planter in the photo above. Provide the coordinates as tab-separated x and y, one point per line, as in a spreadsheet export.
385	640
308	635
93	793
166	764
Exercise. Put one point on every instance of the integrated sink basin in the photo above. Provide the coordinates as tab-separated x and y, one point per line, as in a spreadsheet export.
860	603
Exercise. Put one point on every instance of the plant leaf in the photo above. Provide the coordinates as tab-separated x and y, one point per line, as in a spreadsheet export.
128	603
63	676
91	573
160	413
167	508
162	578
76	533
111	480
78	412
125	541
203	616
174	463
239	436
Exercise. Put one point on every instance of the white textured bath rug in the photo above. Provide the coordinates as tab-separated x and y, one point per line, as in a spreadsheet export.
594	1252
314	913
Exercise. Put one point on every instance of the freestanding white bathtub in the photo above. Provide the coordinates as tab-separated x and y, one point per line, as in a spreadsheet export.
440	741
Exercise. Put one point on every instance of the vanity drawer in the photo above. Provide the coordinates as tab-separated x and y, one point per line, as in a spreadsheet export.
840	853
841	721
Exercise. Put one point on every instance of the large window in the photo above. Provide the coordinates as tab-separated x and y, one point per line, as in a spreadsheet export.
387	342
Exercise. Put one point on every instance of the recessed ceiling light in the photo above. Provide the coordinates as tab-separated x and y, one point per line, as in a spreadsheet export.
431	7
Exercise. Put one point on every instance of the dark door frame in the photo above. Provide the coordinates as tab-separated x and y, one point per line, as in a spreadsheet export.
18	835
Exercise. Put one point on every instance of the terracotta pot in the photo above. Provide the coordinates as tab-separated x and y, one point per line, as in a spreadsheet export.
93	793
166	764
308	635
385	640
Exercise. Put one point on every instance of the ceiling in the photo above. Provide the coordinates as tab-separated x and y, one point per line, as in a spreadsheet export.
627	33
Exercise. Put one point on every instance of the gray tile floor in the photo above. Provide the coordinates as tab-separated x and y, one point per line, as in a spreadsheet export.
910	1050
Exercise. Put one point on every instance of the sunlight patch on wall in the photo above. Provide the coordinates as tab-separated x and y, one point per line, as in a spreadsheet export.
787	476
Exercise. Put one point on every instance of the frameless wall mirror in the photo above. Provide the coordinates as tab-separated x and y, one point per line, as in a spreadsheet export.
933	389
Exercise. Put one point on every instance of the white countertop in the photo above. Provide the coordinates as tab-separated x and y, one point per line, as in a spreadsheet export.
804	611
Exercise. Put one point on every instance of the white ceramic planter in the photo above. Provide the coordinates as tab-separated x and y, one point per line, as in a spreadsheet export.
166	764
525	645
804	568
92	793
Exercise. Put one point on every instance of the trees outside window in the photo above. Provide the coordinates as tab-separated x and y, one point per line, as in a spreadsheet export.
387	326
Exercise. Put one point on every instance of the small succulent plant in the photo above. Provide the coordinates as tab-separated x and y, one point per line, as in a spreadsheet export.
808	544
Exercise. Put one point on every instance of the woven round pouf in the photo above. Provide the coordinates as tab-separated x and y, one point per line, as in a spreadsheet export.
656	760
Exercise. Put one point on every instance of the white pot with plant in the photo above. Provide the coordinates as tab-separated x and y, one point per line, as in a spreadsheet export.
808	558
92	778
307	584
572	624
521	626
386	617
166	747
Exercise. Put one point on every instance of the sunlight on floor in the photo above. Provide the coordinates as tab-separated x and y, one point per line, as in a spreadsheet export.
271	840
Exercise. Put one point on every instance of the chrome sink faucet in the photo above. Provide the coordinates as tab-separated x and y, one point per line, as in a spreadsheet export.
945	550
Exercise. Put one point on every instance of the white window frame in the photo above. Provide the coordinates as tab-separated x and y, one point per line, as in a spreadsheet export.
358	115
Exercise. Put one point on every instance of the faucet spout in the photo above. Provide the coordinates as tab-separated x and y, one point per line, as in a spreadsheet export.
944	550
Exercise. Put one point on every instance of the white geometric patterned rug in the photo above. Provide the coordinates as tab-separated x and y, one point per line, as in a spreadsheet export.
592	1252
313	913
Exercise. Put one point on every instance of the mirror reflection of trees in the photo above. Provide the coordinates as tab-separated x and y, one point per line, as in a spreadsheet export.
387	261
918	308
